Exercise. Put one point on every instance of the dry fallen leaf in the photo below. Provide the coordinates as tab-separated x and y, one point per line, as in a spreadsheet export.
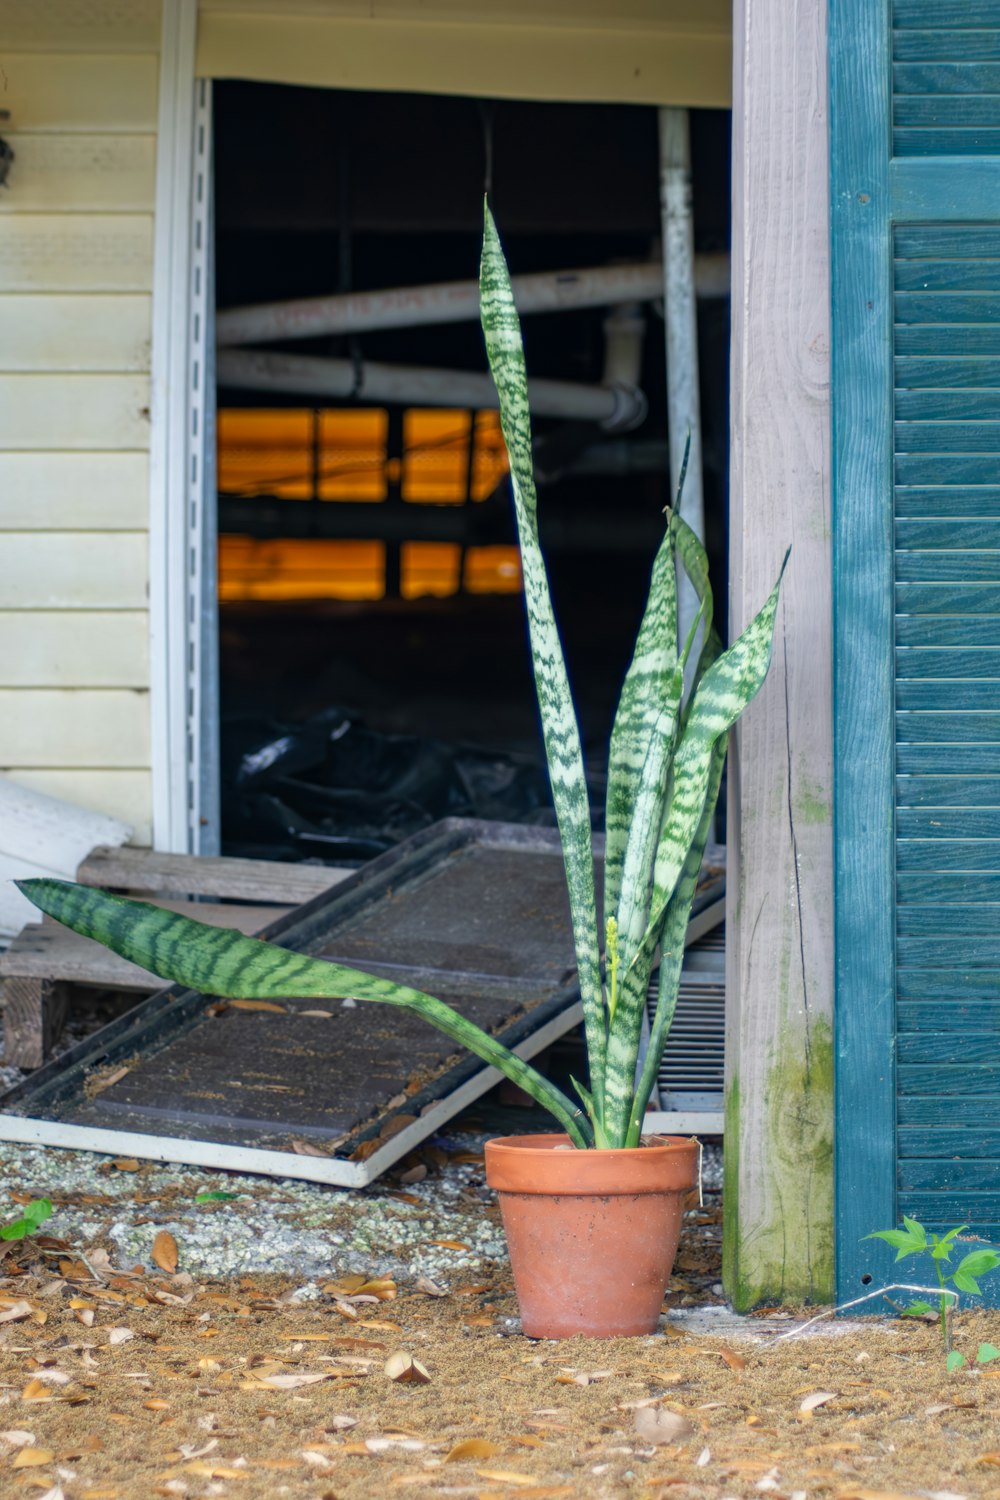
285	1382
17	1437
733	1360
16	1311
814	1399
215	1471
306	1148
656	1424
405	1369
854	1493
120	1336
472	1448
281	1010
165	1251
448	1244
430	1288
36	1390
32	1458
125	1163
508	1476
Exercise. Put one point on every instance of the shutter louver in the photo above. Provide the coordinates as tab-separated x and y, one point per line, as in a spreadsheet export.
947	575
946	78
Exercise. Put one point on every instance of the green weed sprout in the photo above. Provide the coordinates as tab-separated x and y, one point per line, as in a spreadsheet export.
913	1239
34	1214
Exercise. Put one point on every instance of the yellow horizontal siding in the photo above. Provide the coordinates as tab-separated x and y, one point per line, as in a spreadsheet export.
61	332
77	172
73	570
46	91
74	411
73	648
126	795
80	80
81	25
76	253
73	492
83	727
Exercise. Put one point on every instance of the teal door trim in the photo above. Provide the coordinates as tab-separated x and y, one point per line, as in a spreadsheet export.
864	731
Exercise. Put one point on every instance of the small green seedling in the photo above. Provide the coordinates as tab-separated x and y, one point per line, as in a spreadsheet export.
34	1214
216	1196
913	1239
984	1354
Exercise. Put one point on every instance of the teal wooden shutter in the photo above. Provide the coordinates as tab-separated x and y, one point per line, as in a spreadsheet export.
915	167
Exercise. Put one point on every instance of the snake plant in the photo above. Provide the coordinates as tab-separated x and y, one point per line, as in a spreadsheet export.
665	766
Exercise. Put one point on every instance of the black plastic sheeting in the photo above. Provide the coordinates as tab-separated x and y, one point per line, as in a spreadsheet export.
333	788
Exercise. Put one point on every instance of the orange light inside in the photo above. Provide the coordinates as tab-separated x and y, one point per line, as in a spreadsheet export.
492	570
429	568
298	453
300	569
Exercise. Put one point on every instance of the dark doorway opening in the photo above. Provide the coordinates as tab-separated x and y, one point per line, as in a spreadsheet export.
371	622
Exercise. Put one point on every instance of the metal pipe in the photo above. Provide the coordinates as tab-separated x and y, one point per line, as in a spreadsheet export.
624	334
615	407
457	301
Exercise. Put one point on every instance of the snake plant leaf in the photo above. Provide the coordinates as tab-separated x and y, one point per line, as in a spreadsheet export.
648	810
644	695
694	560
221	961
672	944
502	331
725	690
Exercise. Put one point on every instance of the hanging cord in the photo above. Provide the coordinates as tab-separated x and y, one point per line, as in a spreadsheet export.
345	246
487	115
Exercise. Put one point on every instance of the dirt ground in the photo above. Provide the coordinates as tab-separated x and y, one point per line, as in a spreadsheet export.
120	1386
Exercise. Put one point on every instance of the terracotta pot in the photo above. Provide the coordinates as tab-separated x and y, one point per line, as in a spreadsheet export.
592	1234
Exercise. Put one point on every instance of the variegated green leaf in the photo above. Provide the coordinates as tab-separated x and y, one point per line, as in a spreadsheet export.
649	809
640	708
694	560
221	961
672	943
559	727
724	691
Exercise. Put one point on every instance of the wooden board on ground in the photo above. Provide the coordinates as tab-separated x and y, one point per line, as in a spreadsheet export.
142	870
334	1091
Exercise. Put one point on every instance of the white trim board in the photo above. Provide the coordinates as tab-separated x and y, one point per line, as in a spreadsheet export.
173	567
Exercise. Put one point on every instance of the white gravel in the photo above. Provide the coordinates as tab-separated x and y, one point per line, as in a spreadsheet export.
270	1225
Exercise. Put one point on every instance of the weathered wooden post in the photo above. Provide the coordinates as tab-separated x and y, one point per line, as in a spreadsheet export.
779	1106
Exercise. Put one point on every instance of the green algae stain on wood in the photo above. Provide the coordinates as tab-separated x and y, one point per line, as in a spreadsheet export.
789	1257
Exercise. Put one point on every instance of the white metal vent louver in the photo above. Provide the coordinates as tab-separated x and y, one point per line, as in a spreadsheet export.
691	1073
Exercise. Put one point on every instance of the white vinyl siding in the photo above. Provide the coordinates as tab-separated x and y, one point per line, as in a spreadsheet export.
76	256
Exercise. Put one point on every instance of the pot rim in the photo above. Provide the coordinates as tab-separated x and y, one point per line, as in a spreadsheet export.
536	1164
